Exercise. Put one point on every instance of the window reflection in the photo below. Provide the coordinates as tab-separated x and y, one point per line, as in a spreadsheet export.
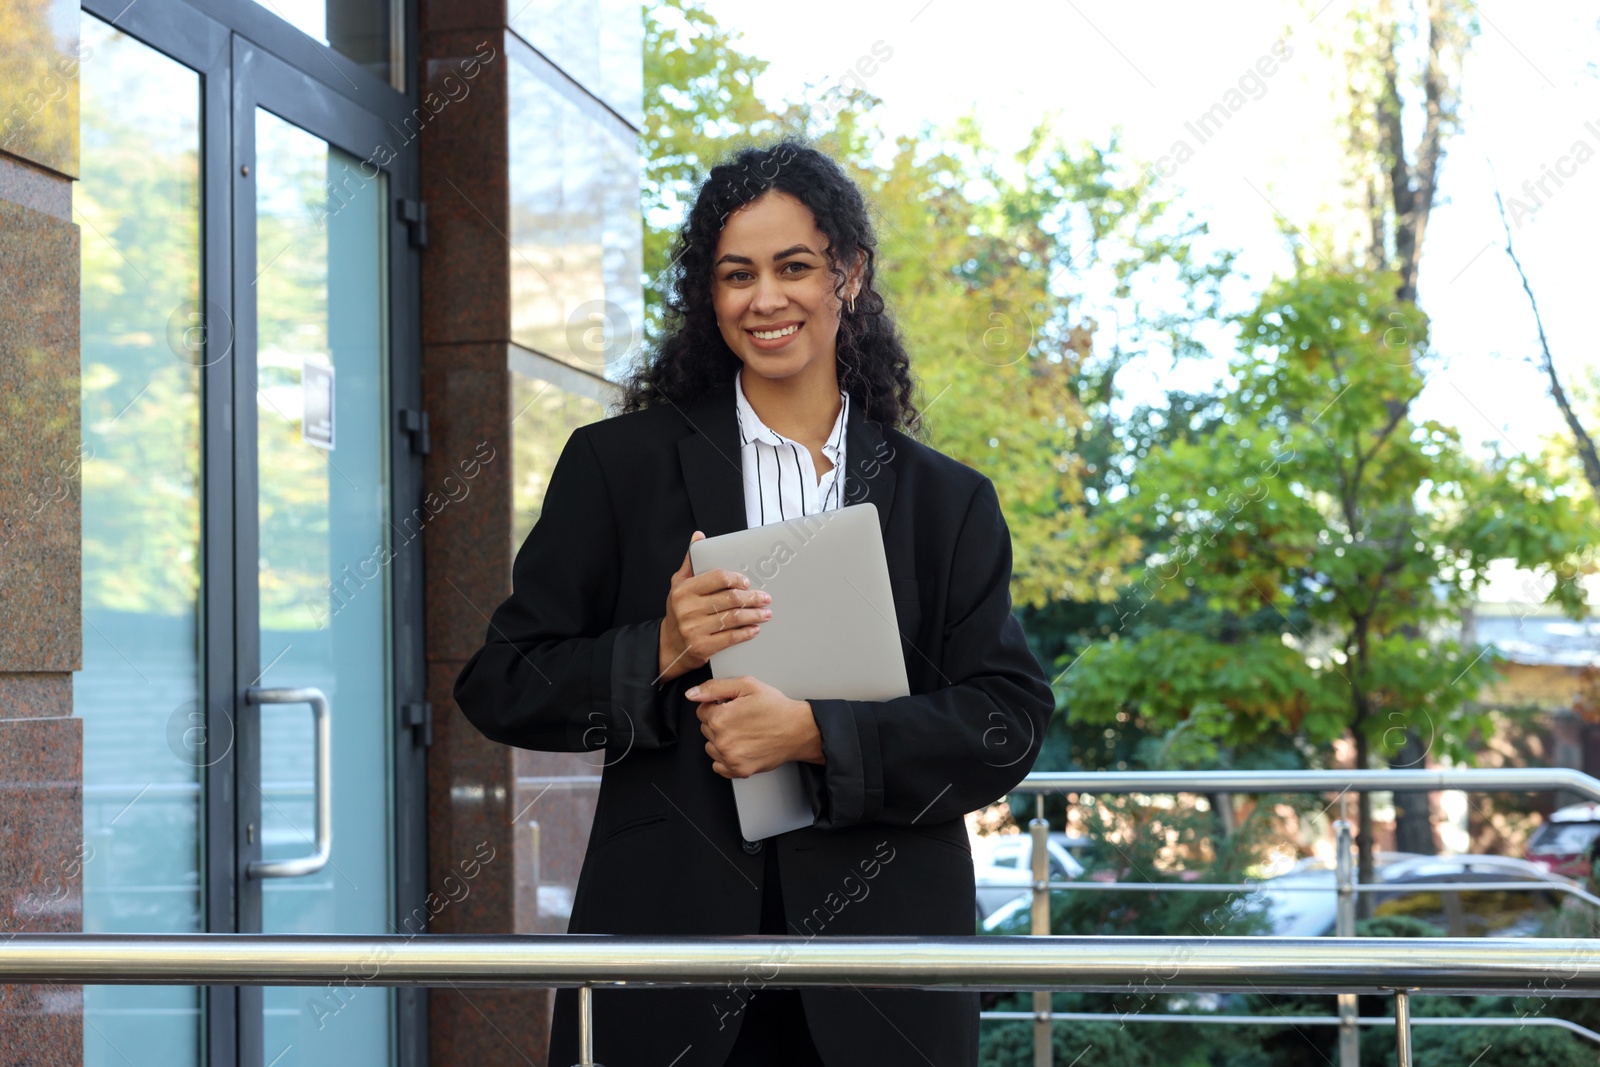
553	834
144	341
368	31
543	416
600	44
576	237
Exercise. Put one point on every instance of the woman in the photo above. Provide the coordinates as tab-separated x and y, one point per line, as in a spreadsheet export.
780	389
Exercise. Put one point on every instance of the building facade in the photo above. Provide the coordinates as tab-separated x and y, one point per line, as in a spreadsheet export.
301	301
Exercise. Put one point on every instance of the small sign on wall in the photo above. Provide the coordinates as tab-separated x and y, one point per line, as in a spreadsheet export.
316	422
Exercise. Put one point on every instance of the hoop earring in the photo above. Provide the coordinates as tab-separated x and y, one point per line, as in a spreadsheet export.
851	305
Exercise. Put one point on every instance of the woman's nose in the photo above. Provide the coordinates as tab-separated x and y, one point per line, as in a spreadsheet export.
769	296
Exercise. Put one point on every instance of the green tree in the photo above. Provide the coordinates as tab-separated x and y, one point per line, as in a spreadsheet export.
699	104
1403	67
1401	96
1321	499
996	276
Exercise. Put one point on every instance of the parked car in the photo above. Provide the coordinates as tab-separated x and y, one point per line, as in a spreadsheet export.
1295	912
1002	861
1562	844
1302	903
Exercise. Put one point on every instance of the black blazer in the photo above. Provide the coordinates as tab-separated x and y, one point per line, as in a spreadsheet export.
567	666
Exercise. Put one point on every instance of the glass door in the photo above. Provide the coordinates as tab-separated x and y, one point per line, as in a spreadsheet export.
253	681
322	596
316	787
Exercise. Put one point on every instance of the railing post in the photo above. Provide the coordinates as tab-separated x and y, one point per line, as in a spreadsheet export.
1345	926
1402	1028
1039	829
586	1027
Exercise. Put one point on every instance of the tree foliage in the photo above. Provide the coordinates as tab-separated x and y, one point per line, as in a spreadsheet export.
1333	538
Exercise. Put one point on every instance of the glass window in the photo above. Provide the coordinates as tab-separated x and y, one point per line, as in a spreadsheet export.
576	237
139	693
1566	838
371	32
556	791
598	43
543	416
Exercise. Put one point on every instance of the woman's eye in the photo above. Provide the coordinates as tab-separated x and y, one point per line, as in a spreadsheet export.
740	275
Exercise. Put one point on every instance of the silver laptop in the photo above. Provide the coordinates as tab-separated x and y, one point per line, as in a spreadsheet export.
832	633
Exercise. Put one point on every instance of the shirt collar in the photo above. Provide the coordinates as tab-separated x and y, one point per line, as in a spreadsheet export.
751	428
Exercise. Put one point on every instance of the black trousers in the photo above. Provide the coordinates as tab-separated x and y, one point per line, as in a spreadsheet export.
774	1032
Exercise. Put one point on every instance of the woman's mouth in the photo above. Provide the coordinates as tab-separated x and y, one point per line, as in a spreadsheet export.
770	340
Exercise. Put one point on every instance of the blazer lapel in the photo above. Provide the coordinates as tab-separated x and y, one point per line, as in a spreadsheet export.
869	478
712	469
714	474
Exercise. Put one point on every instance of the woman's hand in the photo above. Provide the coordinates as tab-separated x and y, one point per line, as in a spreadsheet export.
752	727
705	614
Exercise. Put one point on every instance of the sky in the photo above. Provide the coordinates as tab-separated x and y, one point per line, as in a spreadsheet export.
1531	94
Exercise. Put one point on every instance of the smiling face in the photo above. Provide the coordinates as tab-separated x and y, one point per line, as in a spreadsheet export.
773	291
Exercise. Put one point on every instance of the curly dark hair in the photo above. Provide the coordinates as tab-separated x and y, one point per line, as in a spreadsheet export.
692	356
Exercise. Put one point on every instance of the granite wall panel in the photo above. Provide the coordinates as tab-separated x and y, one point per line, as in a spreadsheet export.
40	553
35	696
465	328
32	187
41	880
39	57
466	292
41	744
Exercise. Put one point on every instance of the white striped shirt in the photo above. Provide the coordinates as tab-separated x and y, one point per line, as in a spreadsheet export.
780	477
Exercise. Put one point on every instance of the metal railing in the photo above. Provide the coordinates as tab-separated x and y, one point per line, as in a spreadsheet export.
1345	885
1477	780
1296	1020
1343	966
1350	966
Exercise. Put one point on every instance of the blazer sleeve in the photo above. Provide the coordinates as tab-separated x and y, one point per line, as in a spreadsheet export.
553	673
935	756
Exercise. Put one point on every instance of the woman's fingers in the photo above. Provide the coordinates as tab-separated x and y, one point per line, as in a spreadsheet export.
717	582
735	618
730	599
677	641
707	644
721	630
686	569
708	612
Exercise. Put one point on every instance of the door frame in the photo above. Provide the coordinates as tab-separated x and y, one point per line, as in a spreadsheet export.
237	46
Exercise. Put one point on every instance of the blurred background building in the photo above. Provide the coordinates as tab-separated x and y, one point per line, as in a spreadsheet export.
300	302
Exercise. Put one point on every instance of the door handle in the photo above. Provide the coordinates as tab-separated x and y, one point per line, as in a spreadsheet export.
322	784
